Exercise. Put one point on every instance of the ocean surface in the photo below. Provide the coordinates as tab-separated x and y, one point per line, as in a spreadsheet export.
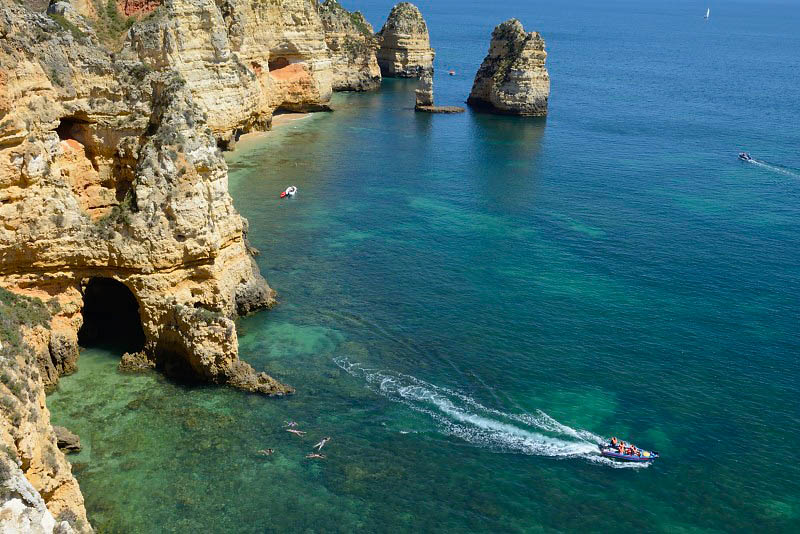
469	304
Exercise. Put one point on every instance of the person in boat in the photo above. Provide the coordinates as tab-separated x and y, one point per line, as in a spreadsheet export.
614	441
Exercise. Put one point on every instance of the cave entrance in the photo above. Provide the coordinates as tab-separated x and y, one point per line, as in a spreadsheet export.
110	317
278	63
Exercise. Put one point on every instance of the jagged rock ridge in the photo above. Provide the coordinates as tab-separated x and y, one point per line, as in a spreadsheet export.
512	78
405	50
110	173
353	47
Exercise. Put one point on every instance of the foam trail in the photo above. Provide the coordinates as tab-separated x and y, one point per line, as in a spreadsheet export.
462	416
774	168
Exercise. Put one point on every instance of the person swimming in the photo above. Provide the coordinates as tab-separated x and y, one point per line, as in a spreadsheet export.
266	452
315	455
296	432
290	424
322	443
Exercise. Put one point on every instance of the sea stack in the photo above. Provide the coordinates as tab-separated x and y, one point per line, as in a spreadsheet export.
513	79
405	50
353	48
424	96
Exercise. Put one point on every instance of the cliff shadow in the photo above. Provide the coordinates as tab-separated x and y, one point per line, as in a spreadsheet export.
110	317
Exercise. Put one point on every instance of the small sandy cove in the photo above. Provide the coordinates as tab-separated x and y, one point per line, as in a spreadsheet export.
278	120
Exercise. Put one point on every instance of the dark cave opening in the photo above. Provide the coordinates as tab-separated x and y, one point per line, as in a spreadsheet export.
278	63
110	317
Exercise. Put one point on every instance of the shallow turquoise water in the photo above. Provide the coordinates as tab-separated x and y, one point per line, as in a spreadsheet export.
469	302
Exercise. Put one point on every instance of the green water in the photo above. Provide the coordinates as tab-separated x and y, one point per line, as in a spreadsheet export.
469	303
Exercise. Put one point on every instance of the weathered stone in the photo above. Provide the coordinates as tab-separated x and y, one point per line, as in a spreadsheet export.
512	78
424	92
405	50
135	362
241	60
353	47
66	440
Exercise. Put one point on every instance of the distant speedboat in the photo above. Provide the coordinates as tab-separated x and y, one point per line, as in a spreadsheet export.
452	73
290	192
744	156
708	12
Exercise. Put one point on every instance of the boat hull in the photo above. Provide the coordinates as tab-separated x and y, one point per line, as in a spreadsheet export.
628	457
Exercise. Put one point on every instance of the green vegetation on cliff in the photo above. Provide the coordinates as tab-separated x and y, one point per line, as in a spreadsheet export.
17	311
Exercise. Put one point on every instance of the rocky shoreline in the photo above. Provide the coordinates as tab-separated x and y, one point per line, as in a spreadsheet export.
114	197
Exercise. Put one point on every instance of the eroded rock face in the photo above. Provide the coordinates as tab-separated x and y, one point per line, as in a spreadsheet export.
405	50
513	78
241	60
353	48
153	213
424	92
37	490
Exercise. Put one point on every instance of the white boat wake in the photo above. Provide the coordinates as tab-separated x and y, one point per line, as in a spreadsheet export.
774	168
461	416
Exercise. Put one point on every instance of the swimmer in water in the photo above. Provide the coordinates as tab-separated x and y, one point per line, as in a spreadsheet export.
322	443
313	455
290	424
266	452
295	432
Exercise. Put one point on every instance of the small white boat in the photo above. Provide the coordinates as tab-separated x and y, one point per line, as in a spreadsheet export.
290	192
708	12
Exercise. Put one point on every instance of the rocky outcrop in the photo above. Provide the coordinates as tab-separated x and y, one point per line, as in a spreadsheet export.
424	97
37	490
353	48
424	92
241	60
110	179
513	78
66	440
405	50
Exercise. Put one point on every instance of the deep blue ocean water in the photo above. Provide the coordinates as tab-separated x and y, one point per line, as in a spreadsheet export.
469	303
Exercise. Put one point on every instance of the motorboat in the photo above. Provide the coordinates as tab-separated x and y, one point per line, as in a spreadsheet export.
289	192
627	455
744	156
452	73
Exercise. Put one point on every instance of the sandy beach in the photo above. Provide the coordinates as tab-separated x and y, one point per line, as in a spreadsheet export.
278	120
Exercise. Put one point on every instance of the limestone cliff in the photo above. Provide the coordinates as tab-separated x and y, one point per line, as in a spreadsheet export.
37	490
405	50
241	60
113	205
512	78
353	48
108	170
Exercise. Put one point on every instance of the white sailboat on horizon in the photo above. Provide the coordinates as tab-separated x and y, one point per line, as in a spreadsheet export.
708	12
